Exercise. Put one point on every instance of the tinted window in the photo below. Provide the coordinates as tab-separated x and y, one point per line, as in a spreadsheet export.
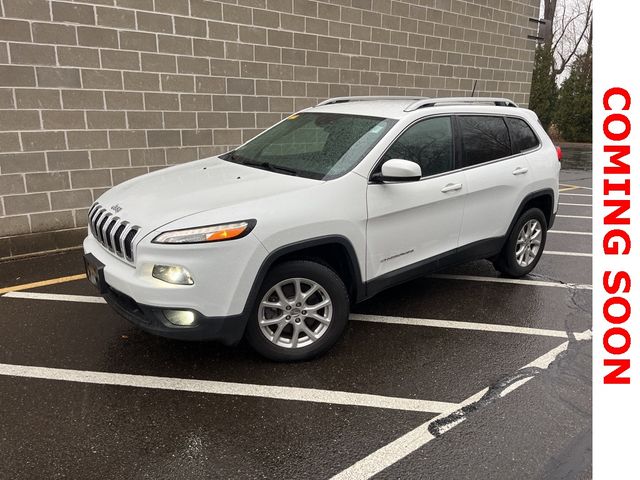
428	143
522	137
483	139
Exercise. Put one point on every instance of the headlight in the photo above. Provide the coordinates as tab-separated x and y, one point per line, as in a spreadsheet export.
212	233
172	274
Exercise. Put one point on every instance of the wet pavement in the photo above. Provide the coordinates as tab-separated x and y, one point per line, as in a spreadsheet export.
480	330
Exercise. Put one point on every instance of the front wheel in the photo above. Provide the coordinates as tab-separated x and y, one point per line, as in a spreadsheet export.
301	312
525	244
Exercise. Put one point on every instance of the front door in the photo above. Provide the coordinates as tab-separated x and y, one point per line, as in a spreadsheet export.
411	222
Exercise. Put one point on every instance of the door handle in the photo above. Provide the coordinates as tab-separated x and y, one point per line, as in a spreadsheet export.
451	187
520	171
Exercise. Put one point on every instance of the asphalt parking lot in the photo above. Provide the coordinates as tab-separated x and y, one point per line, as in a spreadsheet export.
460	375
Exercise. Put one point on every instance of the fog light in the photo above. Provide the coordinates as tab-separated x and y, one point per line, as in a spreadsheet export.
181	318
172	274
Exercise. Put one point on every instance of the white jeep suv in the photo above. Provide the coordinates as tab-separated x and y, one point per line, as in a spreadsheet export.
274	240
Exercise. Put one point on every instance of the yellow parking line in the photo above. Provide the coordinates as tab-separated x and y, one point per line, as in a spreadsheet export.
569	186
42	283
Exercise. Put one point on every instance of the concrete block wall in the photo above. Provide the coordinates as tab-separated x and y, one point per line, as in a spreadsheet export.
94	92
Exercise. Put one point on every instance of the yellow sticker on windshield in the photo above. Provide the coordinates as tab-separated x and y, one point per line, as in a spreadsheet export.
293	117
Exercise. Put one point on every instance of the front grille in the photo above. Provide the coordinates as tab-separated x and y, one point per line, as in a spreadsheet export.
113	232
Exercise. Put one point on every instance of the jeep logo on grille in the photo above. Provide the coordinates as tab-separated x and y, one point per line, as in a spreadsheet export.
116	208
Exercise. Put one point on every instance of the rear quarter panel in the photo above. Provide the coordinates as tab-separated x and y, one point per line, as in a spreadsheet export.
543	163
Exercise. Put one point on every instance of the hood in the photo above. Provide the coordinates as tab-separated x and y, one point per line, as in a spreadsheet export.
157	198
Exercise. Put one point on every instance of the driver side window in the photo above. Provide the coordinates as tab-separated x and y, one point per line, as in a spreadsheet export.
428	143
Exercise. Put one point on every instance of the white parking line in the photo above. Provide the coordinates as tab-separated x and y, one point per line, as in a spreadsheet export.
423	322
575	204
573	216
518	281
445	276
577	194
568	254
386	456
483	327
569	232
226	388
55	297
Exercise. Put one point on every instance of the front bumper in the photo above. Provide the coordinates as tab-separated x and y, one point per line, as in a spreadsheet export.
223	274
220	298
227	330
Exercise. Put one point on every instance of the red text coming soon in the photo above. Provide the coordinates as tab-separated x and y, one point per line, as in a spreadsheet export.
617	239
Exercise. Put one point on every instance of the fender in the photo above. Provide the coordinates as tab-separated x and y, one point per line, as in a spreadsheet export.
277	254
545	192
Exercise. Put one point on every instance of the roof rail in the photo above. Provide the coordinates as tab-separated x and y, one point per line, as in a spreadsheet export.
432	102
334	100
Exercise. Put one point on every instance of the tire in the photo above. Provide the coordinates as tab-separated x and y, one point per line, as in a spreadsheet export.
301	336
514	264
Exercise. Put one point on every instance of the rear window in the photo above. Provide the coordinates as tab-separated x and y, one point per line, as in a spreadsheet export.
484	139
522	136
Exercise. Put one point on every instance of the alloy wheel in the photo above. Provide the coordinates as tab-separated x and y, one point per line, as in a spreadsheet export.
528	243
295	313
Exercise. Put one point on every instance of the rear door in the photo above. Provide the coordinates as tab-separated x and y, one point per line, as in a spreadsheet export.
497	179
414	221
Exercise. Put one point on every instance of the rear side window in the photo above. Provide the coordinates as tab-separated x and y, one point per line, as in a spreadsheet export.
484	139
428	143
522	137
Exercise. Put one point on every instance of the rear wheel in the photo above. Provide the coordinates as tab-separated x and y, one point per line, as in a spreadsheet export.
525	244
301	312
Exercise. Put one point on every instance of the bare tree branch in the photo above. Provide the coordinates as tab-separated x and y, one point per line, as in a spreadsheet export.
566	30
566	24
576	43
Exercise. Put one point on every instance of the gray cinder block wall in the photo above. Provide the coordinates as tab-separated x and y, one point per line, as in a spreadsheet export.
94	92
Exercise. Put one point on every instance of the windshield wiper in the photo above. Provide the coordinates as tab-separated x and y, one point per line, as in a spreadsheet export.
268	166
232	156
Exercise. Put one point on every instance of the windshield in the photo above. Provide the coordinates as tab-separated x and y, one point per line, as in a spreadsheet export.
314	145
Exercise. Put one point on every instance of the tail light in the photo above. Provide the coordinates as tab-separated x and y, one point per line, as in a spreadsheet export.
559	152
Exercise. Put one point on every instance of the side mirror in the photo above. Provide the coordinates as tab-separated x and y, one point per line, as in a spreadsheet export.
398	170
